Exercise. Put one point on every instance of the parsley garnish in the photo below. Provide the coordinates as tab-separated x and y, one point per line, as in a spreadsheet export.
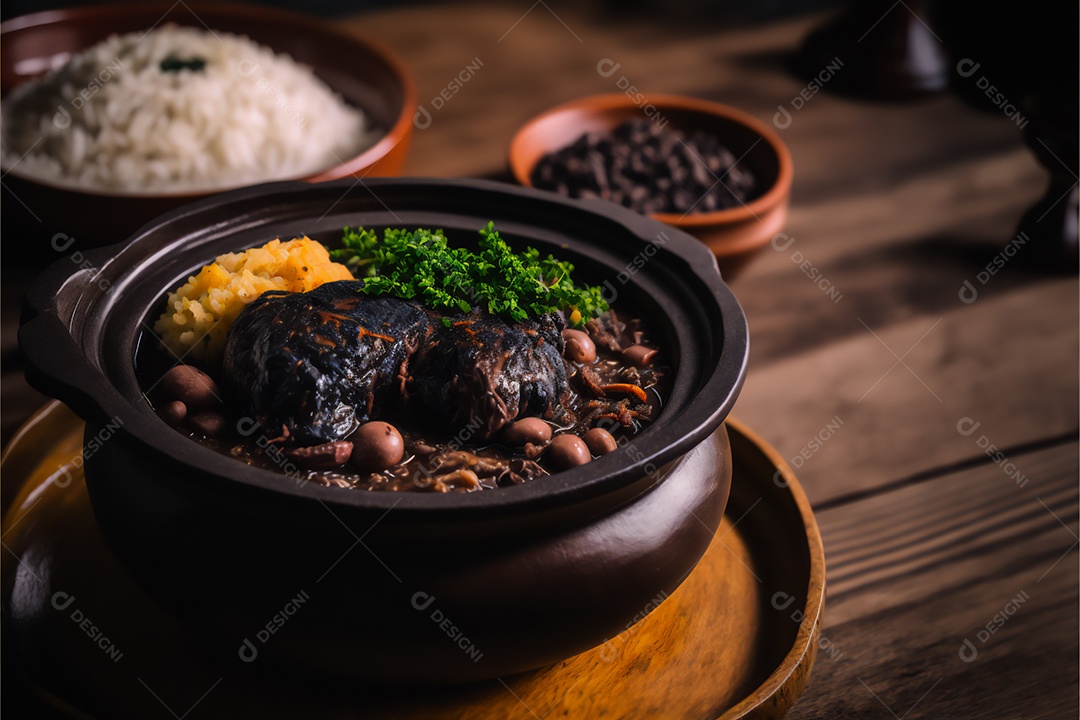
420	265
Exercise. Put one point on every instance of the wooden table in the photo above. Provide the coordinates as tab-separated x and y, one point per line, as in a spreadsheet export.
952	584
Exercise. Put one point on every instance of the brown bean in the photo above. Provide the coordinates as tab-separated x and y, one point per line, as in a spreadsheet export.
174	412
191	386
579	346
639	355
377	446
600	441
567	451
525	431
322	457
208	422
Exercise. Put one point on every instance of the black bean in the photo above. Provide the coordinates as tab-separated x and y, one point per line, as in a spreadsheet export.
649	169
682	200
701	173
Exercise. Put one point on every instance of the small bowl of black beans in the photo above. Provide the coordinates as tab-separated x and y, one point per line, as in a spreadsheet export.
711	170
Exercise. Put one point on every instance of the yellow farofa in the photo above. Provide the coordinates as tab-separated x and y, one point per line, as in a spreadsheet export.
198	315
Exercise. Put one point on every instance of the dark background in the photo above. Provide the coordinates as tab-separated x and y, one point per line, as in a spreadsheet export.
762	9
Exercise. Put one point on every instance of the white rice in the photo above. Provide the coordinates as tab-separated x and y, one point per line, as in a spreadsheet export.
111	119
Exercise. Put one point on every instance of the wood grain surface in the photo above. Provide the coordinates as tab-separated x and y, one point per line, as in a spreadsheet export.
930	540
724	624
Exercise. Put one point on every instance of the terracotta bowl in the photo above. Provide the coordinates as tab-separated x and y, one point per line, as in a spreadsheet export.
410	586
366	75
734	235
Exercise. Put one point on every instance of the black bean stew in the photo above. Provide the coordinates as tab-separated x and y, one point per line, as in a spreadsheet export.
649	169
377	393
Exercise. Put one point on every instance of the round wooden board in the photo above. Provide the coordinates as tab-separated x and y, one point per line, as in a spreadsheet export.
736	640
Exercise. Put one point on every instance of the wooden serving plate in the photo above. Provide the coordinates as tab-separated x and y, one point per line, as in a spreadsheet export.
736	640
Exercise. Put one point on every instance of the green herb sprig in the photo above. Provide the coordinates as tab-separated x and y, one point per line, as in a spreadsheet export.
421	265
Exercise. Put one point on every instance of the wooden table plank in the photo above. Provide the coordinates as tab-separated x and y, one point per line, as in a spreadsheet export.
536	60
1000	361
916	572
887	264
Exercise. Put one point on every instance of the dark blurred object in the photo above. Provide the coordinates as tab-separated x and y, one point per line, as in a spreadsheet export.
698	12
888	51
1020	61
14	8
1050	224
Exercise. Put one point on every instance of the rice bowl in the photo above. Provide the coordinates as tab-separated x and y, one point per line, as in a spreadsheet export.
177	109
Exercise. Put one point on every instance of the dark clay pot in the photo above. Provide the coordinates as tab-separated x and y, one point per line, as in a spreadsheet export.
406	587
